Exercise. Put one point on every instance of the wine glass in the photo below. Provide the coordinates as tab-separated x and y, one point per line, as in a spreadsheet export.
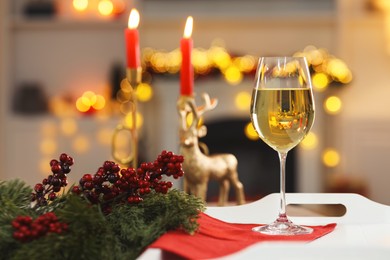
282	113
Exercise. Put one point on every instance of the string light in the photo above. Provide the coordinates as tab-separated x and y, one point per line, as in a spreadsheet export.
105	7
243	101
333	105
90	102
80	5
250	132
310	142
331	157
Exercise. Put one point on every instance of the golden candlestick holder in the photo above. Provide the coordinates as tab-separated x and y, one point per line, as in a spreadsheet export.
132	80
199	167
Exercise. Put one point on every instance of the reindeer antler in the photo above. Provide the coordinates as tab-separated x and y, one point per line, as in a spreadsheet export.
209	104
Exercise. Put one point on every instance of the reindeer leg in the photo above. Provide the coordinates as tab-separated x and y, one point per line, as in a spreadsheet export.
239	188
201	190
186	186
224	187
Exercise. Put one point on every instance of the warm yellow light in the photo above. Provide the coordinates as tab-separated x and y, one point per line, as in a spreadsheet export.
81	144
330	157
68	126
384	5
89	95
99	103
158	62
338	69
105	7
188	27
332	105
144	92
320	81
133	19
190	118
246	63
48	146
220	57
243	100
90	100
310	142
233	75
174	61
129	120
81	106
201	62
80	5
250	132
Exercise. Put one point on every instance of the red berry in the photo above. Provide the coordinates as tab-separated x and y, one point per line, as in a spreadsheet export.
56	168
39	188
64	158
107	165
76	190
52	196
88	185
87	177
53	162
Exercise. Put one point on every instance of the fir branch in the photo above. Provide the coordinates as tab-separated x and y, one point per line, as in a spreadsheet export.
137	227
15	192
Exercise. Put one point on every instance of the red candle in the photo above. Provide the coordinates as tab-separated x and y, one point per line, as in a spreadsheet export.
187	71
132	41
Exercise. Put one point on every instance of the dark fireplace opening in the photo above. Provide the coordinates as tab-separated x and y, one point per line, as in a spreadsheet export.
258	164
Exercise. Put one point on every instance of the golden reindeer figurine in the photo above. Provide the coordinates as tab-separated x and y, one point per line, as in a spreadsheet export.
199	168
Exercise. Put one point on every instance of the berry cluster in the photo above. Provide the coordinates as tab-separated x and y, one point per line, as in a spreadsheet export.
27	229
53	183
111	183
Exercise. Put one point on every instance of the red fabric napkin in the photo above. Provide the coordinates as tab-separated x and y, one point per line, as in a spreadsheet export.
216	238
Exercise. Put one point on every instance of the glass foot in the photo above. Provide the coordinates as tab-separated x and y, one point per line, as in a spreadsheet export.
286	228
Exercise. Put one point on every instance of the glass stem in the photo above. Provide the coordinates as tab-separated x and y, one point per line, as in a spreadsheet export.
282	212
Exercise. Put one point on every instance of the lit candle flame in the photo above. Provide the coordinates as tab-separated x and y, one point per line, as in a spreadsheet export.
133	19
188	28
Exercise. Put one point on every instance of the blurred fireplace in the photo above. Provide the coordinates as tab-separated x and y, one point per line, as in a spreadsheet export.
258	164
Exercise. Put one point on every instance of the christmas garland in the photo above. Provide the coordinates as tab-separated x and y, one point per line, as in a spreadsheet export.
113	214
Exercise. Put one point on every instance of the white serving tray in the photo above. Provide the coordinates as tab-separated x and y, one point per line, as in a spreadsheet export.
362	233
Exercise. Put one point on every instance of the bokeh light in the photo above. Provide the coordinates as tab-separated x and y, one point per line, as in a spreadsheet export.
310	142
129	120
332	105
320	81
243	100
80	5
105	7
144	92
100	102
190	118
250	132
331	157
90	101
233	75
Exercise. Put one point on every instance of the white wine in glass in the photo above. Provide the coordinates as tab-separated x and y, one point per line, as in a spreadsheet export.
282	113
